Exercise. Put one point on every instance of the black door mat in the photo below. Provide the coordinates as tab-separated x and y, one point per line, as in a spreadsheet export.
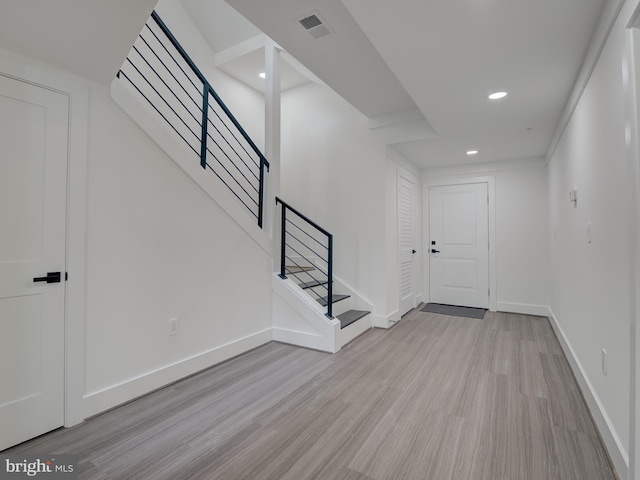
453	310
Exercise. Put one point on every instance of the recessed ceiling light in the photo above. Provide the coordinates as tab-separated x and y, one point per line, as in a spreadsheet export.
262	75
497	95
472	152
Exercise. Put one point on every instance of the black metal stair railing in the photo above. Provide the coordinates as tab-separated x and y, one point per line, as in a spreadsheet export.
306	254
164	74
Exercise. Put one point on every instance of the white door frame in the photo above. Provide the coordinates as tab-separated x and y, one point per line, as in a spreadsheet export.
447	181
77	90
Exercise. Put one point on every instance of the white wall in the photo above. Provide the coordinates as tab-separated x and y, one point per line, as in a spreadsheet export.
158	248
152	246
334	171
590	282
522	251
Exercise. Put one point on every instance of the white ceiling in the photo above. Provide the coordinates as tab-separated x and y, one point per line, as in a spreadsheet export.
426	65
247	67
88	38
239	45
345	60
451	55
219	23
445	57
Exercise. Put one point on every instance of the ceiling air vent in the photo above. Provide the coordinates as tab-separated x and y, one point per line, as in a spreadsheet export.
315	25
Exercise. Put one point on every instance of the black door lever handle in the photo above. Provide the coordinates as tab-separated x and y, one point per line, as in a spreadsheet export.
52	277
433	250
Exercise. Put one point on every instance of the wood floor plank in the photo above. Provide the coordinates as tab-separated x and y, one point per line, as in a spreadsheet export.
527	439
528	371
565	395
434	397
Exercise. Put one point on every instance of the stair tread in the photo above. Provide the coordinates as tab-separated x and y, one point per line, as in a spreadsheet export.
315	283
350	316
298	269
334	298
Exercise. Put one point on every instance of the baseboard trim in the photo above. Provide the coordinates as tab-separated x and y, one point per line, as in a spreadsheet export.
302	339
612	443
114	395
379	321
523	309
387	321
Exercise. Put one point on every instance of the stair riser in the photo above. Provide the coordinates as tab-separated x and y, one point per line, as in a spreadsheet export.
342	306
345	335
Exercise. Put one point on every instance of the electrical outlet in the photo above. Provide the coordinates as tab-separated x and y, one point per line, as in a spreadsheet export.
173	326
604	361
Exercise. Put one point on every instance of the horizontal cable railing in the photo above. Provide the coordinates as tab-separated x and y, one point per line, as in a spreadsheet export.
306	254
165	76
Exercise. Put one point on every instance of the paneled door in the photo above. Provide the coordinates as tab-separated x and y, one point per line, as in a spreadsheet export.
459	245
34	124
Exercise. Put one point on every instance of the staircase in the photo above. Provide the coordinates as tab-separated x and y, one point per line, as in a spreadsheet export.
306	267
304	275
339	302
163	90
198	129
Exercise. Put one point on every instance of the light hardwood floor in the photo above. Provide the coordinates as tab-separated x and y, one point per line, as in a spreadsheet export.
435	397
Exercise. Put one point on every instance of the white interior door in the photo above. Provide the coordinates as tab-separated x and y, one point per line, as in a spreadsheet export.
33	189
406	242
459	245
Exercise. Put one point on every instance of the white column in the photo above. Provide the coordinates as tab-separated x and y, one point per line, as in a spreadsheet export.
272	136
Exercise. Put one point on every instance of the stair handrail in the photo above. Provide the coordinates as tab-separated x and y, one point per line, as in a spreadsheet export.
283	249
207	90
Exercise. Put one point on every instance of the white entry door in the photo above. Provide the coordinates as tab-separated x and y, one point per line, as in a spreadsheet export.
406	242
459	245
33	189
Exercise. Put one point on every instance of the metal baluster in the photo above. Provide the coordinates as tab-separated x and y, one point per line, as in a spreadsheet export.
205	112
261	192
283	232
330	277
